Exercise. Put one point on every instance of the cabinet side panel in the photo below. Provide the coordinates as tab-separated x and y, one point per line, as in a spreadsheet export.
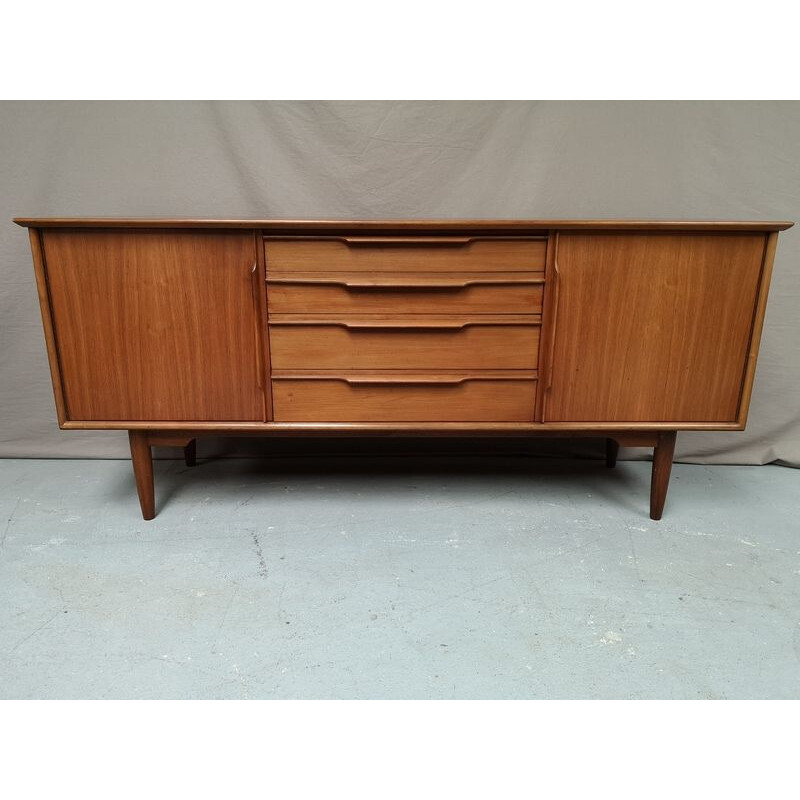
40	270
653	327
758	324
155	325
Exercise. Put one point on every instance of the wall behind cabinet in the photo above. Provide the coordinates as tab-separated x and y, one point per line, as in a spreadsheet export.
729	160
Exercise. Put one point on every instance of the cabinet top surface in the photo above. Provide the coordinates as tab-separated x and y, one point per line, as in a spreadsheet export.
497	225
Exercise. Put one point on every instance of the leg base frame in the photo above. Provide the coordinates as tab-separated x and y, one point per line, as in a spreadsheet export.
142	458
662	466
662	442
142	443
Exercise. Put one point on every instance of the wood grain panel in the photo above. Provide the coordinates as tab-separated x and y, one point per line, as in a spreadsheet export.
404	398
652	327
517	226
401	428
37	250
409	254
399	293
758	324
155	325
409	342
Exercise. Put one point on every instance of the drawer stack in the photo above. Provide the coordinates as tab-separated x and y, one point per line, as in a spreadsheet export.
404	328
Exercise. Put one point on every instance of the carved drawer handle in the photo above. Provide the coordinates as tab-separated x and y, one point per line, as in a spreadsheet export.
439	285
433	381
371	241
452	241
405	326
446	286
412	379
377	325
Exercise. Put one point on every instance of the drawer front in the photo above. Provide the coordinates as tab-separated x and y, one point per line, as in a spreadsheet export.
510	342
398	293
406	254
409	398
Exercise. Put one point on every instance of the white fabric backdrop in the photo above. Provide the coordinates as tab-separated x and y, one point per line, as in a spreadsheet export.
723	160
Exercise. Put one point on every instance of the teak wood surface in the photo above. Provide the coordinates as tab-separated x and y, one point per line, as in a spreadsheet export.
652	327
471	226
405	397
155	325
625	329
401	293
407	254
410	342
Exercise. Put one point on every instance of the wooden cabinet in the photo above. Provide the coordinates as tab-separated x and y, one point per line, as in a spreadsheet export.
624	330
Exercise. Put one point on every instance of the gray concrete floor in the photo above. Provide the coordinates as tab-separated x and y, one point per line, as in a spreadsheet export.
363	578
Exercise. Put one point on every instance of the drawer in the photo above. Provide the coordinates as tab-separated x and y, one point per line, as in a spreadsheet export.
405	254
411	342
450	397
399	293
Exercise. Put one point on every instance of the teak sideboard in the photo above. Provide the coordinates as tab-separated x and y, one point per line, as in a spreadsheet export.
627	330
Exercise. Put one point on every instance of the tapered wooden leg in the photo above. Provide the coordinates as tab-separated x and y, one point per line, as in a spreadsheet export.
190	453
142	458
662	465
612	449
